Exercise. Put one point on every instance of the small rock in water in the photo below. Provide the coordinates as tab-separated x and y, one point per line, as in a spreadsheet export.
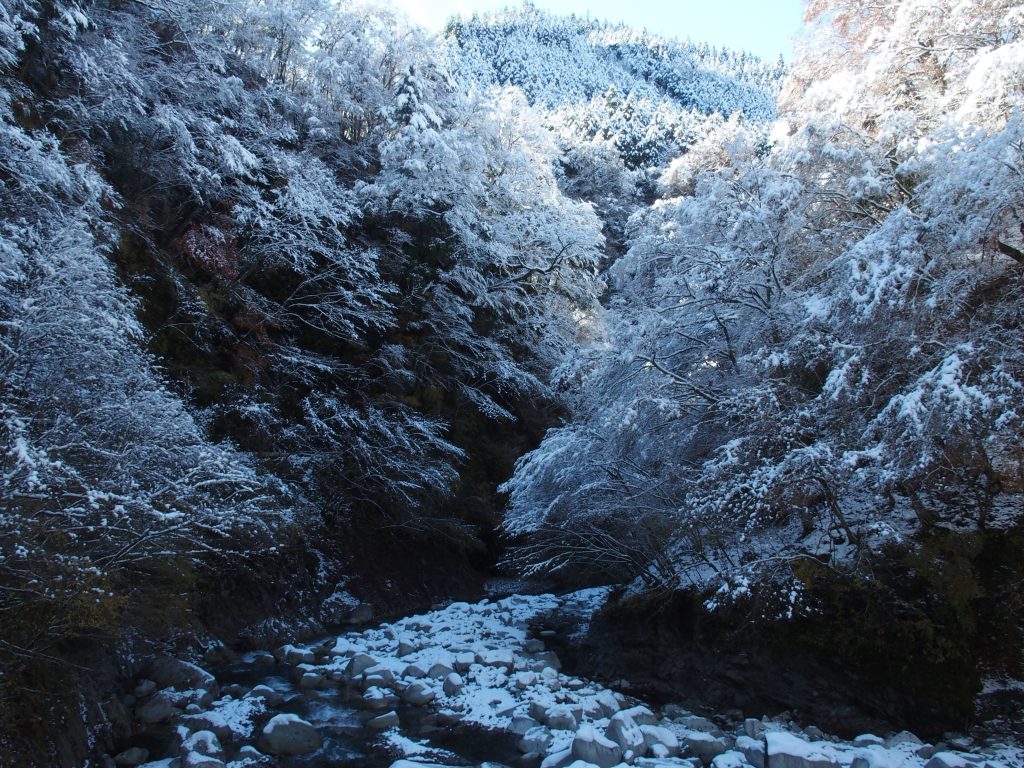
383	722
289	734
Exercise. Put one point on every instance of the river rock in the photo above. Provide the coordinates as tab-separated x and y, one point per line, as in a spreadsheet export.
903	737
534	645
954	760
289	734
453	684
271	697
537	740
291	654
868	740
196	760
463	661
379	698
641	715
502	658
752	749
784	750
730	759
418	694
753	728
559	759
627	734
707	747
698	723
655	736
204	743
591	747
359	664
522	723
144	688
405	648
310	681
607	702
158	708
131	757
439	670
383	722
169	672
415	671
560	718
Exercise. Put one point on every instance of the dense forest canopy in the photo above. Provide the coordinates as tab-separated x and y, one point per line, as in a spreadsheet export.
282	277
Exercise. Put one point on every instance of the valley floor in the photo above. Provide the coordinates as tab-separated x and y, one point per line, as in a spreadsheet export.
467	684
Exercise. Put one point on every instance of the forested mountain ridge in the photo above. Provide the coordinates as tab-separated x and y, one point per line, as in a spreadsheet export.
287	287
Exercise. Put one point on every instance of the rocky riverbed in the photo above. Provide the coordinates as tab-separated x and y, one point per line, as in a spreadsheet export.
468	685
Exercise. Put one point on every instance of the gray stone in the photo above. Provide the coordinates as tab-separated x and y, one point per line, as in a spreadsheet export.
144	688
903	737
414	671
954	760
560	718
262	659
291	654
868	740
379	699
250	752
311	681
132	756
784	750
405	648
502	659
641	715
383	722
533	645
359	664
158	708
655	736
752	749
729	759
439	670
271	697
545	659
522	723
169	672
753	728
217	654
197	760
814	733
203	743
453	685
591	747
289	735
558	759
705	746
234	690
418	694
463	661
627	734
536	739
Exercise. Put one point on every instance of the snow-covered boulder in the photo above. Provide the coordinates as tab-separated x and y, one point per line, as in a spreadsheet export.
591	747
537	740
705	746
131	757
289	734
291	654
627	734
418	694
271	697
752	749
169	672
453	684
560	718
203	742
784	750
661	742
358	664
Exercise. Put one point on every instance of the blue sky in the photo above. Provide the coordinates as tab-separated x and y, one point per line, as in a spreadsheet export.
763	27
